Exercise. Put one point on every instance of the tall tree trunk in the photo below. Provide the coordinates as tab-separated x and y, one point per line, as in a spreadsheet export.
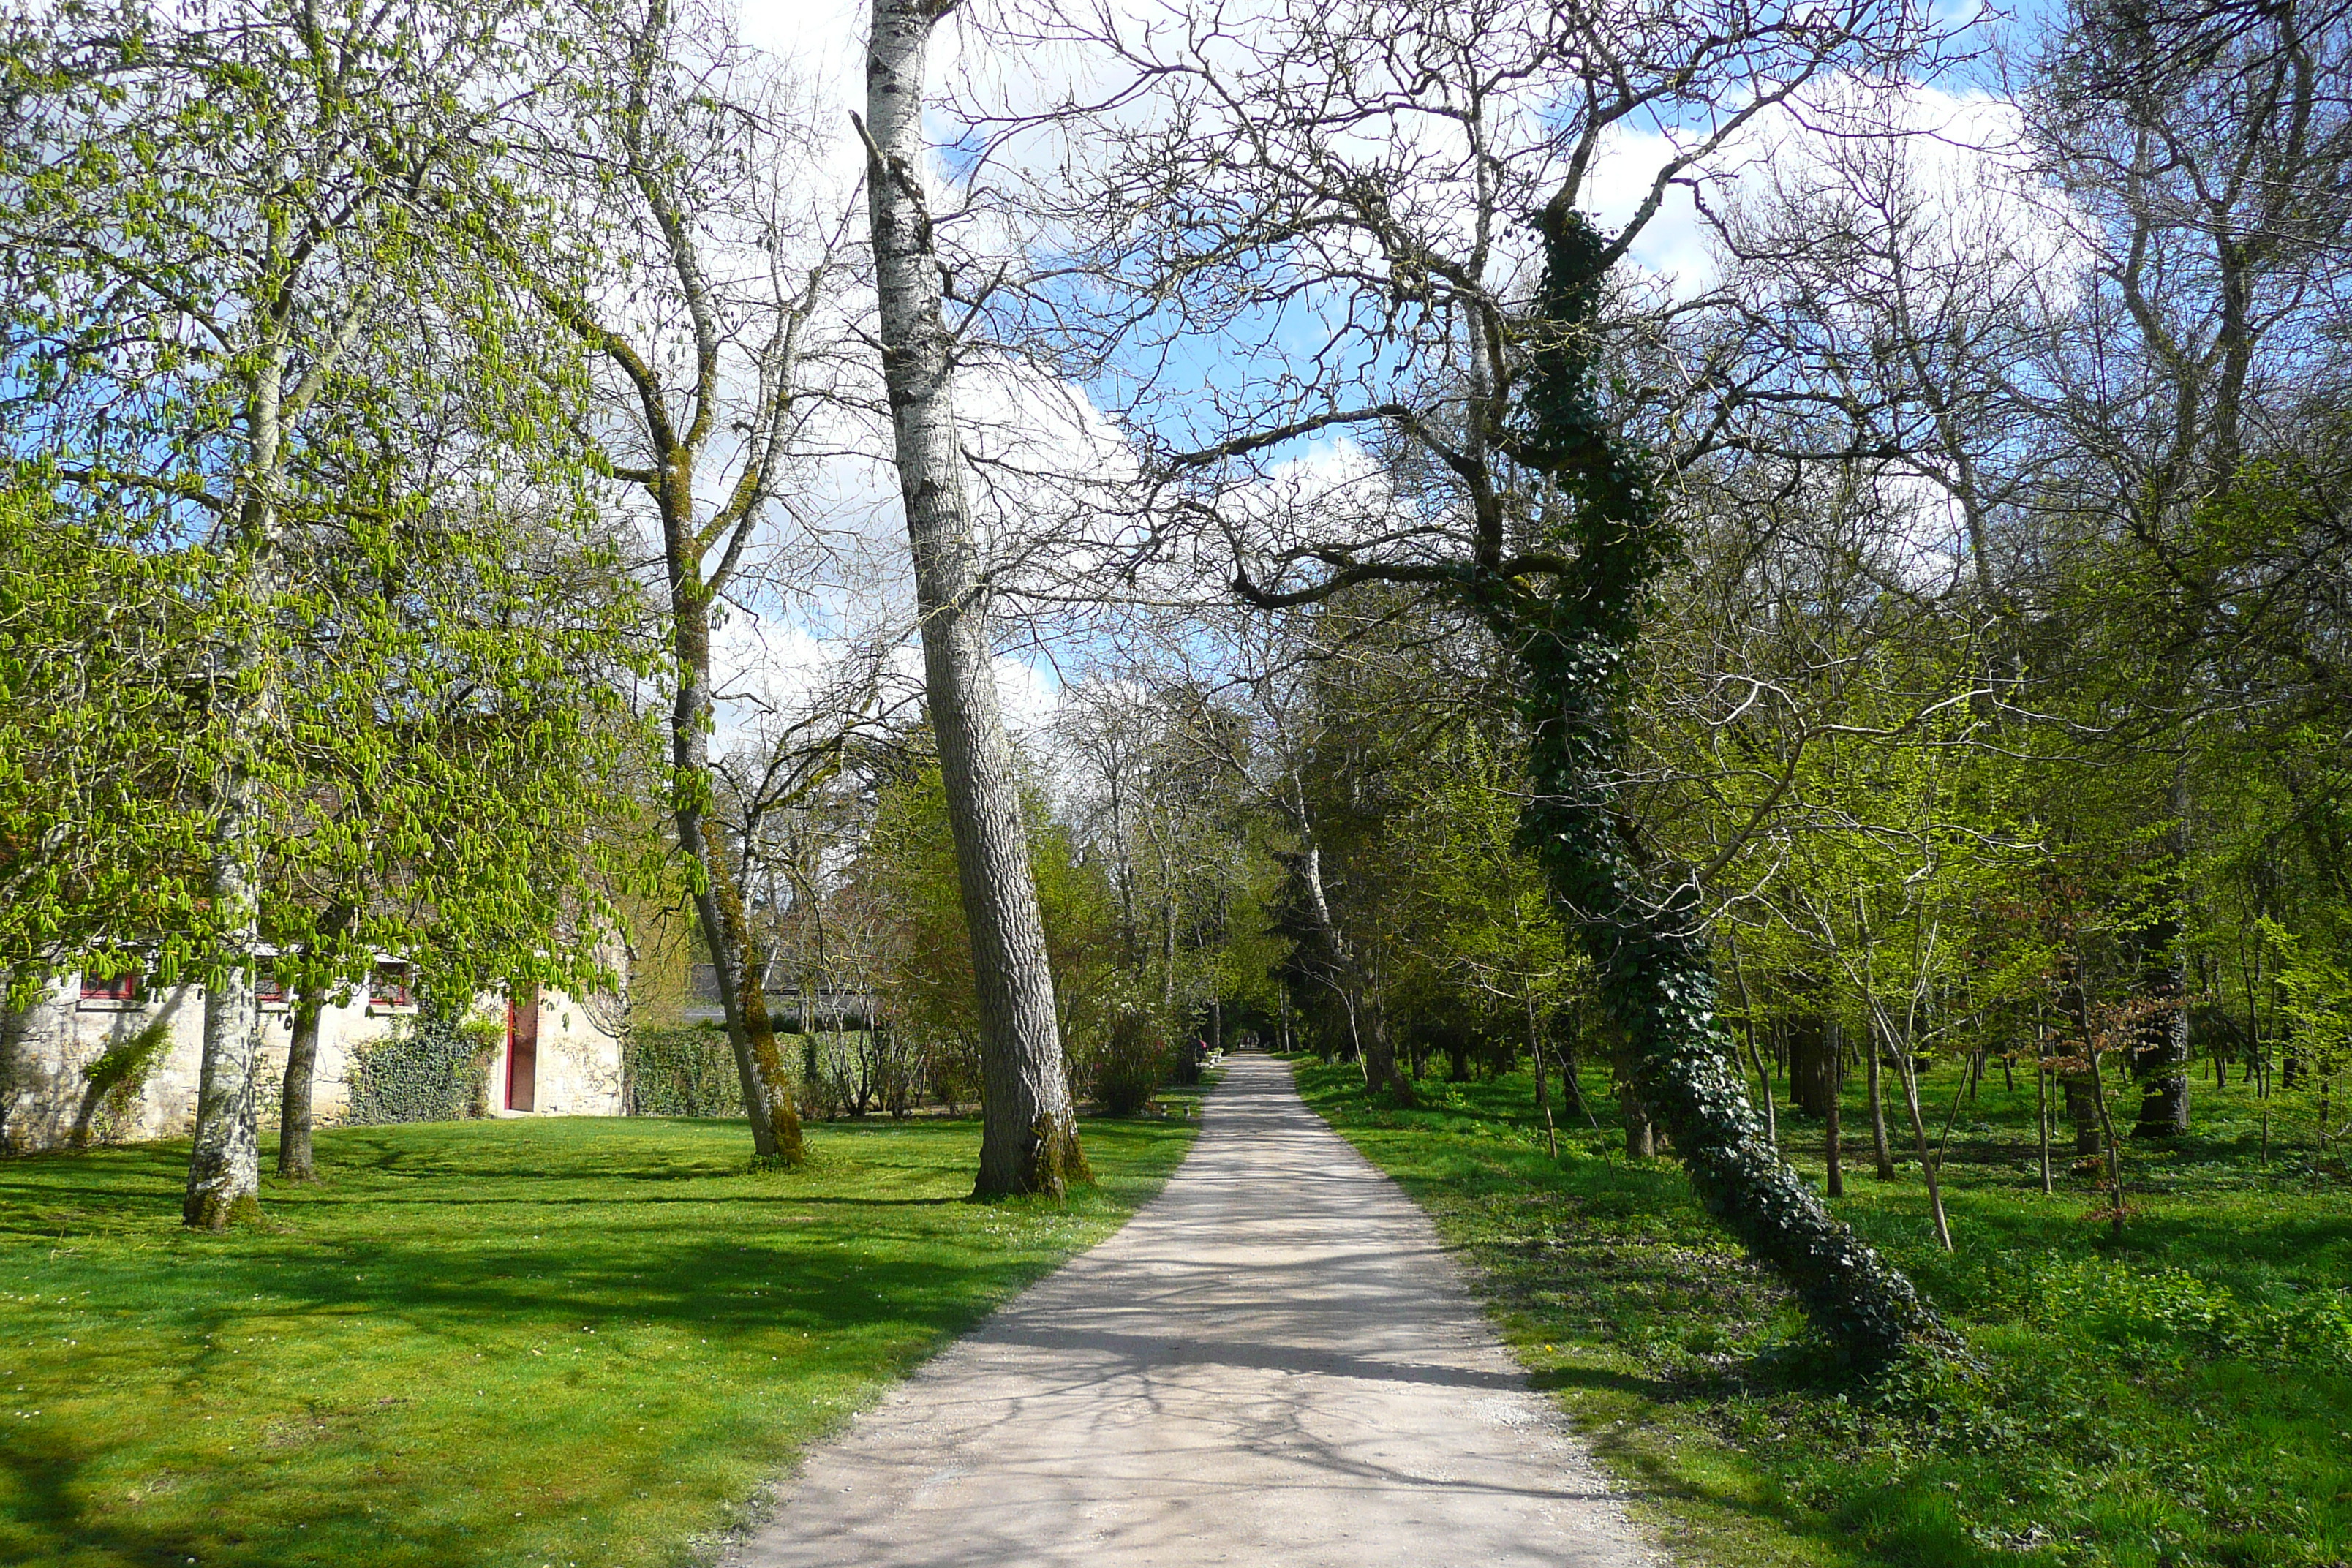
224	1153
295	1162
1029	1141
1543	1087
1574	643
2161	1050
1832	1138
1367	1022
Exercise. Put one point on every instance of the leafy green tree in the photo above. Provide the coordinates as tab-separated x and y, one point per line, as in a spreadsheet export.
247	291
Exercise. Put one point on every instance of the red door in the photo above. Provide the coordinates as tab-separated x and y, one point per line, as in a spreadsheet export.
522	1049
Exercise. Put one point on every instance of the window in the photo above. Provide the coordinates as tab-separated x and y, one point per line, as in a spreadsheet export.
391	985
114	990
269	986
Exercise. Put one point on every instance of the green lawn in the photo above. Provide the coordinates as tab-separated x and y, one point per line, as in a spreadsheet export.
2182	1398
561	1342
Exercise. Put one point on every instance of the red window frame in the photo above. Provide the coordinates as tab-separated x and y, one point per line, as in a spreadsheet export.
125	987
392	984
269	985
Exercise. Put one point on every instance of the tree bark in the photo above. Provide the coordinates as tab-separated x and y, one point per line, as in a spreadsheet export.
225	1151
2161	1047
717	898
1029	1141
1641	1132
1881	1155
1367	1022
1833	1136
295	1161
1574	645
1813	1079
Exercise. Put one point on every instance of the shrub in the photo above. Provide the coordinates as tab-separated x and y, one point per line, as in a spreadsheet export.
683	1072
435	1066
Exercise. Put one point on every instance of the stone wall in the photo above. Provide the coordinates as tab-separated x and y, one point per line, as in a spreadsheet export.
49	1051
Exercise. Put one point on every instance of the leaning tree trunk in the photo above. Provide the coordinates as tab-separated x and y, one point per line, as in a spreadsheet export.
717	898
1029	1141
1574	642
1366	1020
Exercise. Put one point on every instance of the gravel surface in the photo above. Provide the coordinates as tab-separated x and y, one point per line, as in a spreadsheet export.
1274	1364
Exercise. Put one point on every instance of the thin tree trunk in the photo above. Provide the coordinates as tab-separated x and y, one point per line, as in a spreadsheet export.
1747	1026
1882	1153
1029	1141
2160	1060
1919	1139
1366	1022
2041	1106
717	898
1832	1145
1543	1087
2115	1148
295	1162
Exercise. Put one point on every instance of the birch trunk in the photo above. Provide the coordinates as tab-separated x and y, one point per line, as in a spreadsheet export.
224	1153
1029	1140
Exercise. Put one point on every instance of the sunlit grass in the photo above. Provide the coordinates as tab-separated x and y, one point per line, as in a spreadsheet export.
2182	1397
546	1342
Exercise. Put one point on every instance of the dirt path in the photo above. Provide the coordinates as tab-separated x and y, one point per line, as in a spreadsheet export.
1273	1364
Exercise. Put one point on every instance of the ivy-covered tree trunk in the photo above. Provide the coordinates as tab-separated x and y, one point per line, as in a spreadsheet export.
1648	943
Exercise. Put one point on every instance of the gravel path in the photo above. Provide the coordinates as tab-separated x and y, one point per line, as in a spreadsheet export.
1273	1364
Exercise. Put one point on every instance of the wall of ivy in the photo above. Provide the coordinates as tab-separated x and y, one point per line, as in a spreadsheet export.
684	1071
435	1067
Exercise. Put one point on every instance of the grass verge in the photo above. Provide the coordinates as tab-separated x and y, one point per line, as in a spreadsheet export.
2183	1397
559	1341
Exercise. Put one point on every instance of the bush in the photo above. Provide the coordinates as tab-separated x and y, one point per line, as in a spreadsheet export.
435	1066
1130	1065
685	1071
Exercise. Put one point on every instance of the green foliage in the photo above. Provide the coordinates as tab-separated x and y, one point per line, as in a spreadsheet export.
2179	1399
289	465
116	1079
432	1066
541	1340
689	1070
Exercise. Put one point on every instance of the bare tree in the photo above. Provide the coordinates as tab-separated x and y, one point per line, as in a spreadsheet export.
1329	199
2208	151
1029	1140
703	303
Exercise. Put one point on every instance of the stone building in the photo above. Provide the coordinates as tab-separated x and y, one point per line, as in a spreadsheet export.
118	1060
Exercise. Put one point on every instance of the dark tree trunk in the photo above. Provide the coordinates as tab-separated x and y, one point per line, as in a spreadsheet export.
1833	1135
1574	643
1812	1071
2160	1050
1641	1132
295	1162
